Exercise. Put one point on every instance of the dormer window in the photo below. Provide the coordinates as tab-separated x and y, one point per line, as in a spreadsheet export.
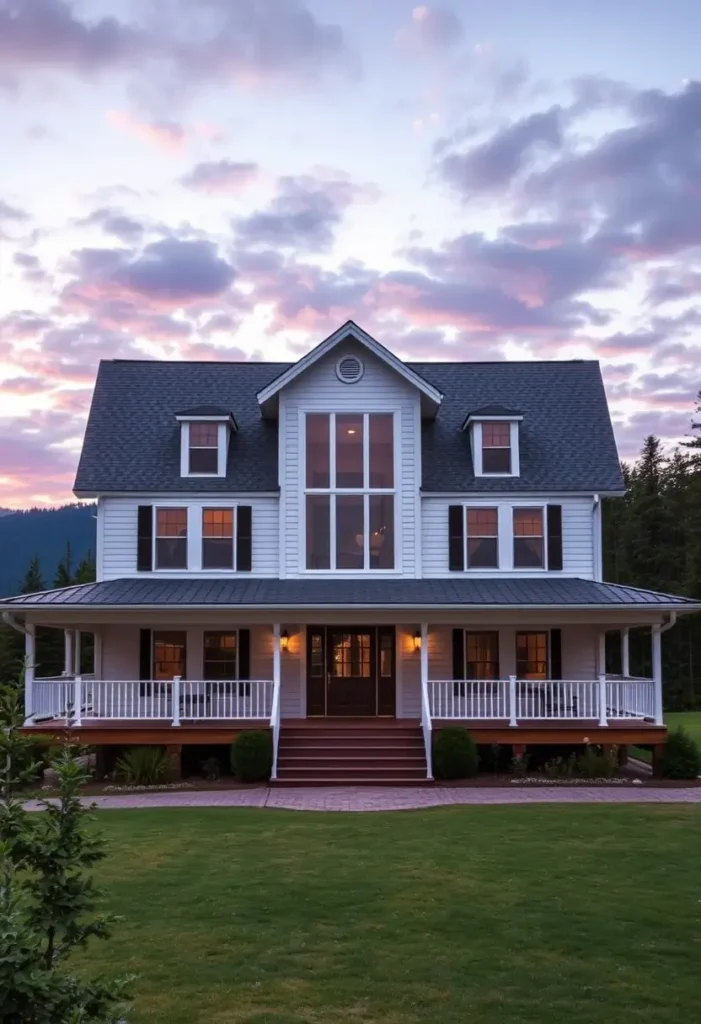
204	448
204	440
494	440
496	448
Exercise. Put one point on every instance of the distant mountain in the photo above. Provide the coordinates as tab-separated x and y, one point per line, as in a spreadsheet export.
6	511
43	534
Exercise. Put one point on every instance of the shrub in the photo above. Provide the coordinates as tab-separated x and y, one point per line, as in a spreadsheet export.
144	766
252	756
681	758
595	764
211	768
454	754
561	767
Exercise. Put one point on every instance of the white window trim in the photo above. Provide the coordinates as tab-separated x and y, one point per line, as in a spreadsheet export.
544	514
366	492
476	437
222	448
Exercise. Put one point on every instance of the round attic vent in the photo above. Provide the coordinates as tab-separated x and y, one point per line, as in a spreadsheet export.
349	369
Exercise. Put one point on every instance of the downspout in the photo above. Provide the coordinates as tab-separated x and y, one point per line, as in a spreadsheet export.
672	622
14	623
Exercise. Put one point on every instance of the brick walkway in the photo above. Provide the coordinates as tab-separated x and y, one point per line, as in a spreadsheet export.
393	798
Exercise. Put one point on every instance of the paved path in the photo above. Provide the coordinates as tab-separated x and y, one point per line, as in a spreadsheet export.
352	798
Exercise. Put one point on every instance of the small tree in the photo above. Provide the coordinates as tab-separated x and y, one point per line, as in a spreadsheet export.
47	902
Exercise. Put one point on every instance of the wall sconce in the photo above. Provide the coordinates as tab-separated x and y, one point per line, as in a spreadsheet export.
417	640
284	640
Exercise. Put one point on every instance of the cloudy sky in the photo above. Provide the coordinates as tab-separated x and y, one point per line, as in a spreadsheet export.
215	179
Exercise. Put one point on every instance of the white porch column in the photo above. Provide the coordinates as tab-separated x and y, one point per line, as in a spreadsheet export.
175	691
276	654
29	660
657	672
67	652
625	652
76	652
77	701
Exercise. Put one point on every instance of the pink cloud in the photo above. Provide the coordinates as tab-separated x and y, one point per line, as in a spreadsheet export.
168	136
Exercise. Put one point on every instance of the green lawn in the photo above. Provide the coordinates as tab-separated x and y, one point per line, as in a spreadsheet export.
531	915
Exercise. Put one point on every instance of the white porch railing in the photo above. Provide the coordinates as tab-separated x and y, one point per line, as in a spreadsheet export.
80	699
516	700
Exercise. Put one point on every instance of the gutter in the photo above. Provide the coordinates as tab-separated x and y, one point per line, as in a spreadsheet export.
345	606
672	622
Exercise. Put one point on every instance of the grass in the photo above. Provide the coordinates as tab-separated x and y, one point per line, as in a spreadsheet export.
531	915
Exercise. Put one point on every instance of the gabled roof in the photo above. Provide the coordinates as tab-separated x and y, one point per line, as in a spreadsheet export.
488	412
205	410
349	330
342	593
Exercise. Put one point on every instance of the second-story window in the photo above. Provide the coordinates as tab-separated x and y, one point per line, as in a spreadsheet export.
350	493
482	538
496	448
217	538
529	546
171	538
204	448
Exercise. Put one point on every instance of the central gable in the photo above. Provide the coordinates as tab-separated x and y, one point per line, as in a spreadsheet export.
349	344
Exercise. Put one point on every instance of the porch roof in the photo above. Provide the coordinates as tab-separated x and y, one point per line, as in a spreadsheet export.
358	593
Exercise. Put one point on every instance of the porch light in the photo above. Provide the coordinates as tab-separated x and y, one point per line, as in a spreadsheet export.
417	640
284	640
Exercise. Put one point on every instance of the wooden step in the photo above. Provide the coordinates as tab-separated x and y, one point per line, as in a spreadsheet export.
343	780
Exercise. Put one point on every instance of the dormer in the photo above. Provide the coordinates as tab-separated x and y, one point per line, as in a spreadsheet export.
204	440
494	439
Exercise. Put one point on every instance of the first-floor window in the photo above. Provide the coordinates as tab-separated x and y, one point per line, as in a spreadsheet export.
169	654
220	655
482	538
217	538
362	534
529	546
171	538
532	655
482	655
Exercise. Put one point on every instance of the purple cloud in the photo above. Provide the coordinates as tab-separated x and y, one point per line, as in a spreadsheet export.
114	222
433	29
12	213
220	176
32	270
304	214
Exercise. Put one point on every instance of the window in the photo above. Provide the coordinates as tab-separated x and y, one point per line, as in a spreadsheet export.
482	538
532	655
217	538
529	549
220	656
204	448
482	655
496	448
169	654
171	538
350	495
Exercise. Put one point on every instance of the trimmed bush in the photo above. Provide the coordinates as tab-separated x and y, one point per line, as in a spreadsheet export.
681	758
144	766
454	754
252	756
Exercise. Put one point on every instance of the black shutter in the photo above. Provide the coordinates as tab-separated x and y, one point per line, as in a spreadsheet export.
456	538
554	536
144	541
458	654
244	538
144	658
244	654
556	654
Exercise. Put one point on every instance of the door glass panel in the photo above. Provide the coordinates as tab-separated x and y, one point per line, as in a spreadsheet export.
350	532
349	450
381	450
386	659
316	661
350	655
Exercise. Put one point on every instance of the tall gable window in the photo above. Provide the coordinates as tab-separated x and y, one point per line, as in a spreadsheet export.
496	448
349	491
204	448
171	538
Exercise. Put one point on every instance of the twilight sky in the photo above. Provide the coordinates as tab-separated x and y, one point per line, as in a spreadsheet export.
215	179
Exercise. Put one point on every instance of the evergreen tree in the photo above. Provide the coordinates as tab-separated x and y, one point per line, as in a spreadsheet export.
64	576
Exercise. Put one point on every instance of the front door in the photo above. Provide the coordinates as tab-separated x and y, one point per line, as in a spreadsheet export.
350	671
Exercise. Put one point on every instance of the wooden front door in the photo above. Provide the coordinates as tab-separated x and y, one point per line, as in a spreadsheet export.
350	671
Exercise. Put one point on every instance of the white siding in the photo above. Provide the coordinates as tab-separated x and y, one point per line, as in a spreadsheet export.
117	535
579	650
577	535
379	390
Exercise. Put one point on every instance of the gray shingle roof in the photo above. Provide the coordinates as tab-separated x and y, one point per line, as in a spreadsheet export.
346	593
132	440
205	410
